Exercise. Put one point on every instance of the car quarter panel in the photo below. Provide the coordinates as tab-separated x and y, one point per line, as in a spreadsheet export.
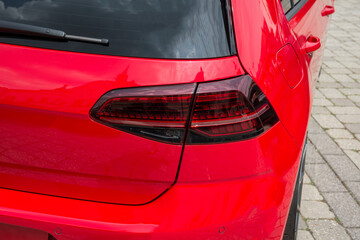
49	144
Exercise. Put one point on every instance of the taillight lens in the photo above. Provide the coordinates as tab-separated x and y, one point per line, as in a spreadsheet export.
222	111
230	110
158	113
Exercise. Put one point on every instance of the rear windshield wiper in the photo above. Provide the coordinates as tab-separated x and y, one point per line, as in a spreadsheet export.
42	32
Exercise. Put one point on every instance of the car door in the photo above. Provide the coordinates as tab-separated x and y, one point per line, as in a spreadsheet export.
309	21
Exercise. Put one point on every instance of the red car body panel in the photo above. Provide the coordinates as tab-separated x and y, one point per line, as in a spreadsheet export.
237	190
248	208
48	101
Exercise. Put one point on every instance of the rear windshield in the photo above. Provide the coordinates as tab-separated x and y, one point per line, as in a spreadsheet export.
178	29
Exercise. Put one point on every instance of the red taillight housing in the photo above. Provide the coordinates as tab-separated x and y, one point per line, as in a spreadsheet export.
219	111
158	113
229	110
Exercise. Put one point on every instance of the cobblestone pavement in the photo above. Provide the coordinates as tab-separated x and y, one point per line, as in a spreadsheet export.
330	206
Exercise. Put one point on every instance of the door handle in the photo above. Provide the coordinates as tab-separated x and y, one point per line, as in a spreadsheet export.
327	10
312	44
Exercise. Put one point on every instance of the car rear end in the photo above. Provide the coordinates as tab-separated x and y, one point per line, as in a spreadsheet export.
167	132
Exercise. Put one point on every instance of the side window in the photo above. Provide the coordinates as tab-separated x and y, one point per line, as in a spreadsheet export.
286	4
291	7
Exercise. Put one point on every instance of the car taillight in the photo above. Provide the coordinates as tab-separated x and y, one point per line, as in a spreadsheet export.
222	111
158	113
229	110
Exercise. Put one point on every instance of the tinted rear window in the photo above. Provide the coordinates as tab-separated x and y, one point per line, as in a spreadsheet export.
179	29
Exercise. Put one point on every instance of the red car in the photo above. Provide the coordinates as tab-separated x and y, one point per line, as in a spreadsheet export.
155	119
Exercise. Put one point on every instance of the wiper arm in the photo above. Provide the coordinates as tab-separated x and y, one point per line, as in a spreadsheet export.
36	31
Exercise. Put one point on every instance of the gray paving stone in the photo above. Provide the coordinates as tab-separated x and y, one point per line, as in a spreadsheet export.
324	144
351	85
328	121
312	155
331	93
315	210
310	192
345	208
353	127
318	109
314	127
349	118
354	188
354	157
354	98
306	179
326	78
342	102
327	230
354	233
343	167
304	235
328	84
349	144
324	178
302	224
350	91
322	102
344	110
339	133
318	94
341	77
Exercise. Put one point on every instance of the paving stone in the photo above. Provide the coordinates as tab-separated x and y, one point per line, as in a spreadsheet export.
306	179
318	94
328	85
342	77
322	102
315	210
354	233
328	121
326	78
342	102
339	133
353	127
348	144
344	110
310	192
349	118
331	93
318	109
314	127
302	224
324	178
355	76
351	85
339	71
345	208
343	167
333	64
327	230
304	235
354	188
354	157
350	91
324	143
354	98
312	155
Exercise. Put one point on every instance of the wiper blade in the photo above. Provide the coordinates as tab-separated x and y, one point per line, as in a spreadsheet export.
36	31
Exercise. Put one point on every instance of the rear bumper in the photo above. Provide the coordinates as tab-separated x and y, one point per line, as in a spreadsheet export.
254	207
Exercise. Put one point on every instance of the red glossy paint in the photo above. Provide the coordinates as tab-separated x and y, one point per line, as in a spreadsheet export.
64	174
51	146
